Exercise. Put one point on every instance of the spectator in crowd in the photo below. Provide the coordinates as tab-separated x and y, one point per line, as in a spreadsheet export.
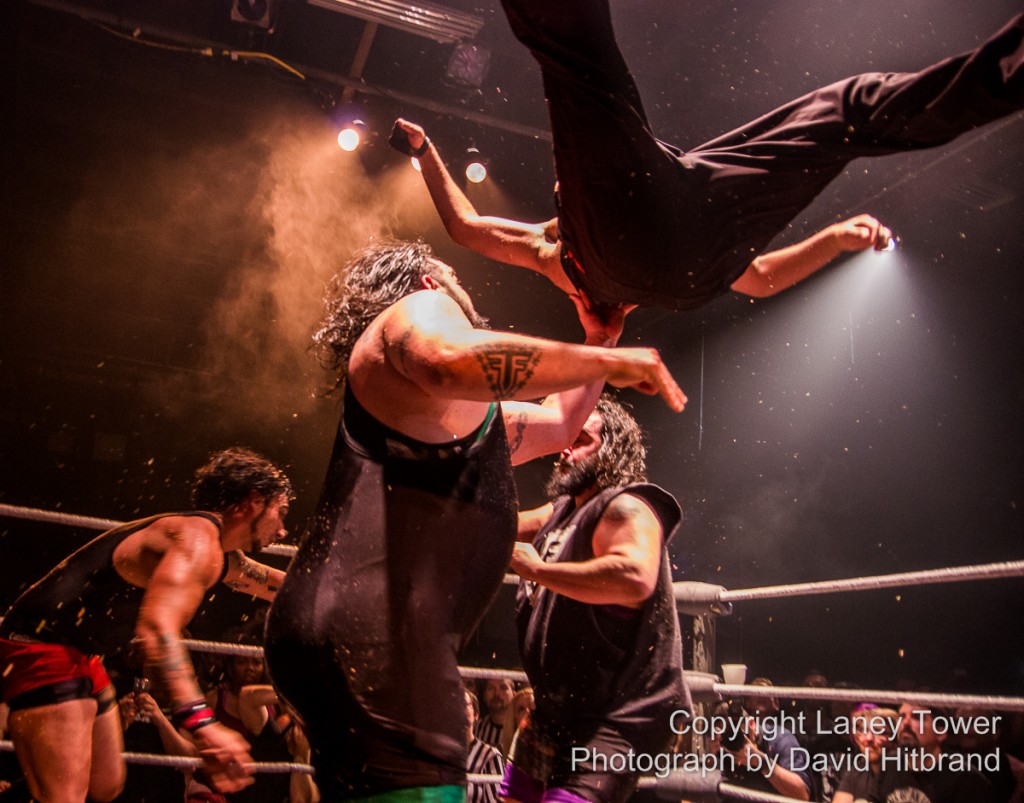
980	740
827	731
516	717
912	778
481	758
497	697
763	754
871	736
148	730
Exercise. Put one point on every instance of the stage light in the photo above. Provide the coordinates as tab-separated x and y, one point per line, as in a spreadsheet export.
416	164
353	135
476	166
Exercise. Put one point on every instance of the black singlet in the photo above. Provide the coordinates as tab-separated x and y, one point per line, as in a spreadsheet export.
407	549
83	602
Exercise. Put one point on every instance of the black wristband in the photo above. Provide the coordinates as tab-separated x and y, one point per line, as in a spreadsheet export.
422	149
399	140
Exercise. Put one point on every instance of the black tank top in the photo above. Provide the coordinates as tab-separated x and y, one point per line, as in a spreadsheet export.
83	602
405	553
599	664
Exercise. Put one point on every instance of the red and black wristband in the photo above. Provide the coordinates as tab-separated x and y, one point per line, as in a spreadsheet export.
193	716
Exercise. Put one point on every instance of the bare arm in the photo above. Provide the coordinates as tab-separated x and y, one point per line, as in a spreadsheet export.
173	742
252	705
190	565
249	576
775	271
530	522
624	570
784	781
509	241
302	788
536	430
427	339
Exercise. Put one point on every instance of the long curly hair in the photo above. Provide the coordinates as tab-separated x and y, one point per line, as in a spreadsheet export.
374	279
622	457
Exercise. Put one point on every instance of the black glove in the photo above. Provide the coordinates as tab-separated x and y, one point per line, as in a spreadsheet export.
399	140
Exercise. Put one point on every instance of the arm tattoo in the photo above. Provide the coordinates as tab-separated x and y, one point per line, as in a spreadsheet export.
517	439
256	572
172	655
507	368
403	346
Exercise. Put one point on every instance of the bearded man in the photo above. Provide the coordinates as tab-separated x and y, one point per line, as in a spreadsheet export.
598	630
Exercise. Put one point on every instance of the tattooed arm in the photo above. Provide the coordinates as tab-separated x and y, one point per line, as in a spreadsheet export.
428	339
248	576
190	564
536	430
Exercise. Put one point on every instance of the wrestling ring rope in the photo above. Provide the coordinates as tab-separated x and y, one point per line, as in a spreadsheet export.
694	598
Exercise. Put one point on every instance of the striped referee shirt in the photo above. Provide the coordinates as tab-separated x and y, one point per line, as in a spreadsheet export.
483	760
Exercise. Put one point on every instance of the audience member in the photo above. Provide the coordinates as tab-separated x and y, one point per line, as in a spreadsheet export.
763	754
481	758
497	697
871	735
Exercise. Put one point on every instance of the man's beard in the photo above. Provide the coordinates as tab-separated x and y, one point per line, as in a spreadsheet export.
572	479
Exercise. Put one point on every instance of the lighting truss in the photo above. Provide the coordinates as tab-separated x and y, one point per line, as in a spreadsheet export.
434	21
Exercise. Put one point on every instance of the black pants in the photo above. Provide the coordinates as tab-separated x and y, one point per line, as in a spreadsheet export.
650	224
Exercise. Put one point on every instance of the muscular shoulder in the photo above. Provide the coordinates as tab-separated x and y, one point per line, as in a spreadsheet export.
629	508
192	538
186	531
423	309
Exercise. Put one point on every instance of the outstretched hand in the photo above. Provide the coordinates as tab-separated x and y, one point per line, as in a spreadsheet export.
861	233
643	370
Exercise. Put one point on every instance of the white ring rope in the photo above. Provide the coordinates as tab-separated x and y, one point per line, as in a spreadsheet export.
932	699
52	516
282	767
956	574
92	523
190	763
700	681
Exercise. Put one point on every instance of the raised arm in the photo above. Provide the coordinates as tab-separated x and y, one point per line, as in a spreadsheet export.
428	340
189	566
535	430
248	576
775	271
527	245
624	570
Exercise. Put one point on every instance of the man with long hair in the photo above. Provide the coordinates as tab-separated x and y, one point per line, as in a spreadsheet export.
598	630
416	518
144	579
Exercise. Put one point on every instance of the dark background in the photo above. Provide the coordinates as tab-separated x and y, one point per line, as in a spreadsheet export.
170	218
